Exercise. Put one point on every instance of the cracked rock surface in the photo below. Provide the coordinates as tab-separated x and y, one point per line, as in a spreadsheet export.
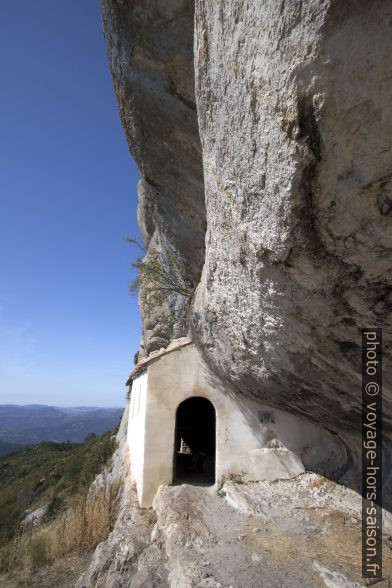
301	532
290	179
263	135
293	101
305	531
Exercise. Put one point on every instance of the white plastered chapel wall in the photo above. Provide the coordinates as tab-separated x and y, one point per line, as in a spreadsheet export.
246	431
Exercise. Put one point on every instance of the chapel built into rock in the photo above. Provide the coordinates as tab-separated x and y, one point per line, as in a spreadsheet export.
184	428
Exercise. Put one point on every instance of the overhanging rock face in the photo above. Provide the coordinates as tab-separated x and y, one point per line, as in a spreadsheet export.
295	121
150	48
292	104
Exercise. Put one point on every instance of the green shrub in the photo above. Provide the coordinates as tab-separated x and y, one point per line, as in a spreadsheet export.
159	274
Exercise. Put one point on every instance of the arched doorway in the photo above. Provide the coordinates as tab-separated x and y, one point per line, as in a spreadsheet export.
194	448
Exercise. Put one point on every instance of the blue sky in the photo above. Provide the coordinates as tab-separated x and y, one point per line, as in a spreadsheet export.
68	326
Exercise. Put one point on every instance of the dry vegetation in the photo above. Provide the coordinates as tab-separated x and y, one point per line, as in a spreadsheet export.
76	519
87	521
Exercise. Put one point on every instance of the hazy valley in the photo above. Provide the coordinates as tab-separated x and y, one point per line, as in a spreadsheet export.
21	426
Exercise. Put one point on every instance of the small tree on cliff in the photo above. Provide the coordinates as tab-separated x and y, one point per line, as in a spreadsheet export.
158	275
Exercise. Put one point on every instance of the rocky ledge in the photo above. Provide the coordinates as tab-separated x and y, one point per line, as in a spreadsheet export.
300	532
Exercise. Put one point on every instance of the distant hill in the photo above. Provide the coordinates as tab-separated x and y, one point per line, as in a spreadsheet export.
30	424
6	448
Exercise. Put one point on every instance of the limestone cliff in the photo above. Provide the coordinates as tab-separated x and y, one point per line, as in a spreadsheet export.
150	48
262	131
295	122
291	181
